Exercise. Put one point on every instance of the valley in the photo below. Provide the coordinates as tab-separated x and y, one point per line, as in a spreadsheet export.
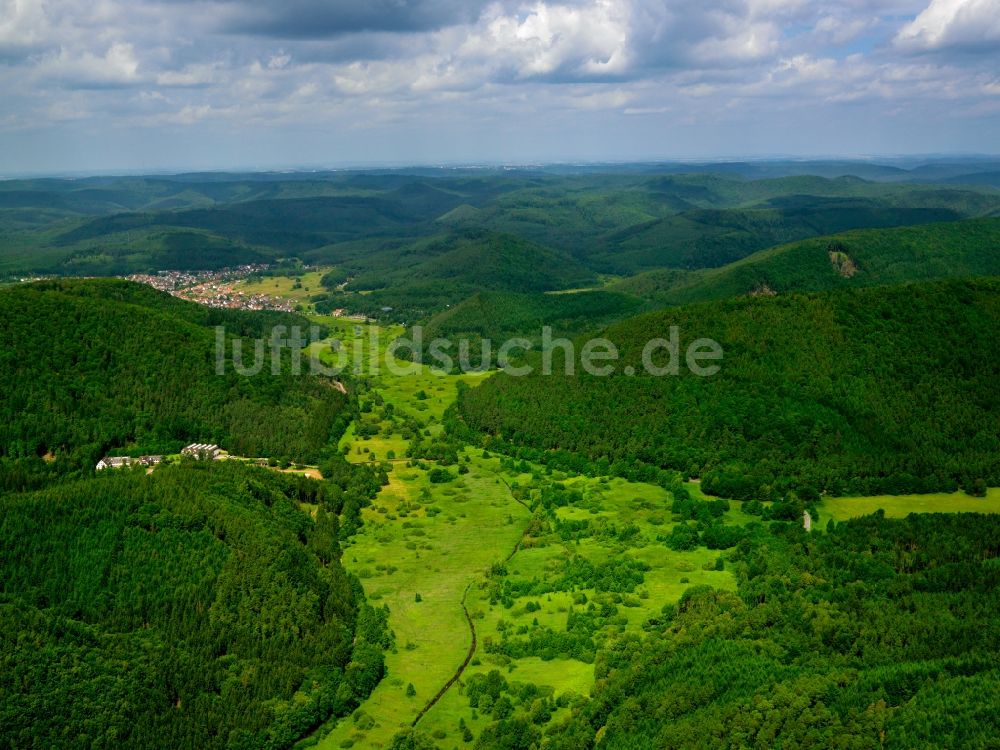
445	543
545	567
412	559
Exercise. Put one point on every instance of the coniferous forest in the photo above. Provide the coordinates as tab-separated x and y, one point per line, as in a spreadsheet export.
102	366
196	607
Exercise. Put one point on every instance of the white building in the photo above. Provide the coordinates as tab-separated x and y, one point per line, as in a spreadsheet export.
201	451
113	462
120	462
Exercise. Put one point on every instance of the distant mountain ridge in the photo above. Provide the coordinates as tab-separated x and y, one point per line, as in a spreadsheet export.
621	220
864	257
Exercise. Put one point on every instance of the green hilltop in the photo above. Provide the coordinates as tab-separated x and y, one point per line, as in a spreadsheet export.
619	222
420	278
102	365
864	391
499	316
195	607
863	257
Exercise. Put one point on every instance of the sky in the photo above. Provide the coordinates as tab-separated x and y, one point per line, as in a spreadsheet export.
143	85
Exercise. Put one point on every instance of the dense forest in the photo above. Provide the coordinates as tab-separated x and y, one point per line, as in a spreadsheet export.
876	634
106	365
195	607
498	316
864	257
418	279
869	391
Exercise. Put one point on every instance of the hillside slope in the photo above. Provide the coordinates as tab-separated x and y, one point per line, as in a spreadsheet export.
844	639
865	257
619	221
711	238
423	277
196	607
498	316
92	366
868	391
475	258
693	221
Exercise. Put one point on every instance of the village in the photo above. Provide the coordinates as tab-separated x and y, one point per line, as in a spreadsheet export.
215	288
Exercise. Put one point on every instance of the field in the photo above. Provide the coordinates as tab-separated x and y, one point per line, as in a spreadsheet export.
296	288
899	506
404	553
419	539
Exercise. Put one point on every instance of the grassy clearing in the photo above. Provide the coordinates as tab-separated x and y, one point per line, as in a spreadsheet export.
608	503
899	506
419	538
439	540
298	288
403	552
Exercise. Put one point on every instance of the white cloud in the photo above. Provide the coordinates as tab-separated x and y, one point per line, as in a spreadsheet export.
513	64
953	23
116	66
22	23
840	30
551	39
191	75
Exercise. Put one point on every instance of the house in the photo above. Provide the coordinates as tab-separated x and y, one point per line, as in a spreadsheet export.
119	462
201	451
114	462
807	520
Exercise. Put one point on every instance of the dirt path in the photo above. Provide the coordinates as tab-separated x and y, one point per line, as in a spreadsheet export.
458	673
472	629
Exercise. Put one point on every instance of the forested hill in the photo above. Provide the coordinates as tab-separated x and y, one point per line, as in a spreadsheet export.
879	634
498	316
93	366
885	390
864	257
256	323
419	278
197	607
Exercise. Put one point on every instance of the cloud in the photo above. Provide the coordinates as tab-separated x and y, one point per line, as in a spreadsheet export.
23	26
841	31
501	66
550	41
719	33
117	66
972	25
318	19
190	75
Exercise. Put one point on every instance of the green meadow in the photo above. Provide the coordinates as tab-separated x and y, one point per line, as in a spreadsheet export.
299	288
402	554
426	548
900	506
